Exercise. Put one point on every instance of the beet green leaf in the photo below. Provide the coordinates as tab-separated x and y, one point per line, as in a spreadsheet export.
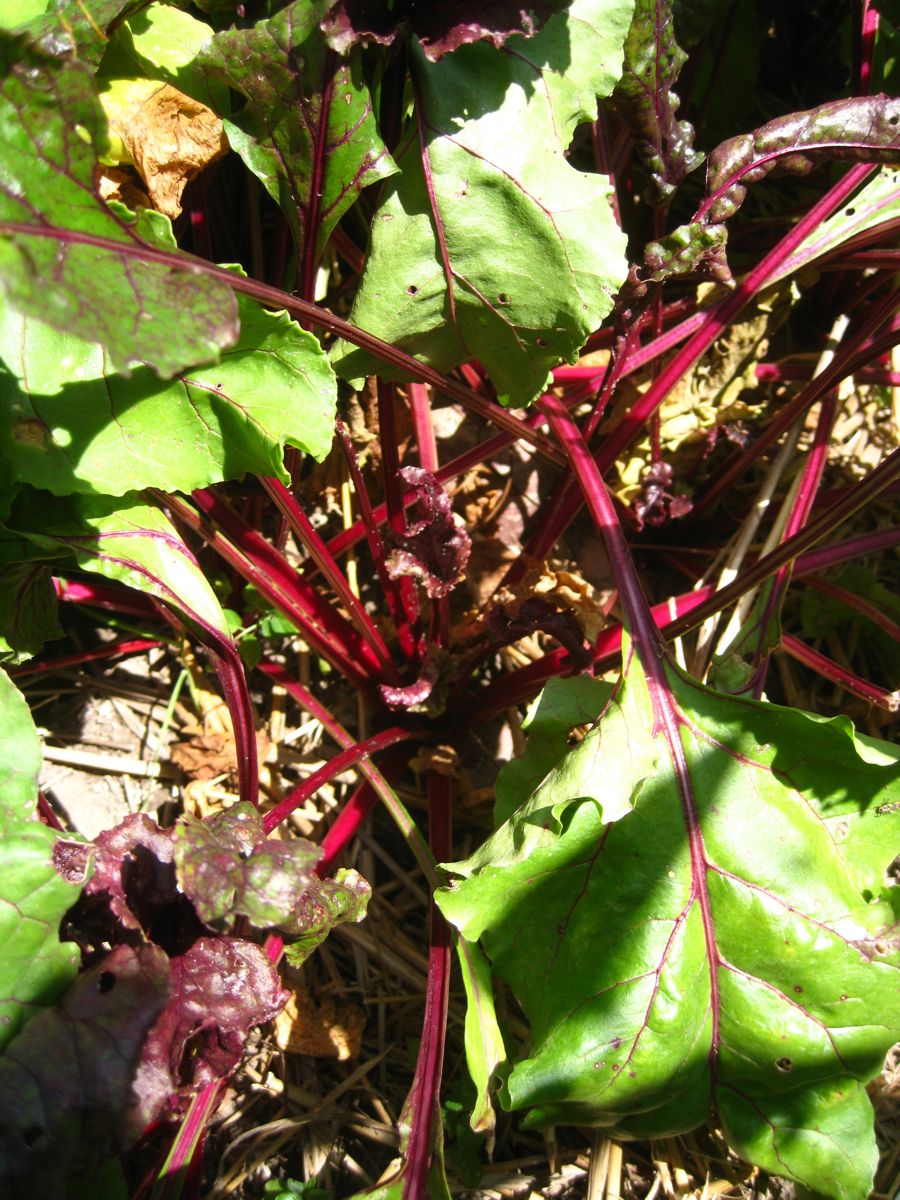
69	423
307	131
489	245
128	541
37	968
67	1100
688	932
52	128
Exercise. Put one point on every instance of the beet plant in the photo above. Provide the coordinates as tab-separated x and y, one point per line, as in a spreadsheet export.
642	255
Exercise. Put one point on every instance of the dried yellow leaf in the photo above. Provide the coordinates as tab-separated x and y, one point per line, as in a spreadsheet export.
326	1030
169	137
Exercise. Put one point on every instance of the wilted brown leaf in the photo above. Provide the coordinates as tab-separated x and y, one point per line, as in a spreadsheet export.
326	1030
169	137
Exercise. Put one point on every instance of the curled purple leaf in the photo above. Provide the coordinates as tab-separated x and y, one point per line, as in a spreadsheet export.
645	101
434	549
413	697
536	614
440	28
221	988
656	504
67	1101
861	129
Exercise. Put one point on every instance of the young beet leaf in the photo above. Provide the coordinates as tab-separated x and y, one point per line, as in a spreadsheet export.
314	167
489	245
685	928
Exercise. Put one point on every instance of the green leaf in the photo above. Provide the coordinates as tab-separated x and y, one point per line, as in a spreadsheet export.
485	1051
69	423
74	262
710	950
876	203
128	541
28	611
18	12
162	42
75	27
20	755
503	252
563	704
646	101
36	967
308	131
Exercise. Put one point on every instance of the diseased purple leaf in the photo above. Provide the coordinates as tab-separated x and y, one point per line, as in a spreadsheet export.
440	28
645	101
435	548
308	131
538	614
228	867
655	504
861	129
52	130
220	989
413	697
67	1098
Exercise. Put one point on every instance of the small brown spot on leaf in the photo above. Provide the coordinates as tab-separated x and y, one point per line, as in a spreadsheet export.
29	433
784	1064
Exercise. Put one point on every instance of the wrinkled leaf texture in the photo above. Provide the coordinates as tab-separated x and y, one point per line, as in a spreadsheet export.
645	99
69	423
308	131
28	610
489	245
51	131
440	28
226	865
703	951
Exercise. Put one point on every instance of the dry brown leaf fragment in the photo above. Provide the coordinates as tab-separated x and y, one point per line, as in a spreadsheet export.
168	136
325	1030
116	183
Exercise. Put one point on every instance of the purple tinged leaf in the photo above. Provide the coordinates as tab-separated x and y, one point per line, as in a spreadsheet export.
645	101
537	614
228	867
655	505
308	131
440	28
861	129
76	27
67	1098
435	548
67	258
221	988
414	697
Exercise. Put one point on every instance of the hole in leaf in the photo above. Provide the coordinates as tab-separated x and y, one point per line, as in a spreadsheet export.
106	982
784	1064
503	298
411	290
797	988
850	212
893	120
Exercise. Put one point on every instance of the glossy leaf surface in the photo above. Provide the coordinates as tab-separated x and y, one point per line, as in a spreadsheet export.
130	542
308	131
52	129
489	245
36	967
69	423
699	944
